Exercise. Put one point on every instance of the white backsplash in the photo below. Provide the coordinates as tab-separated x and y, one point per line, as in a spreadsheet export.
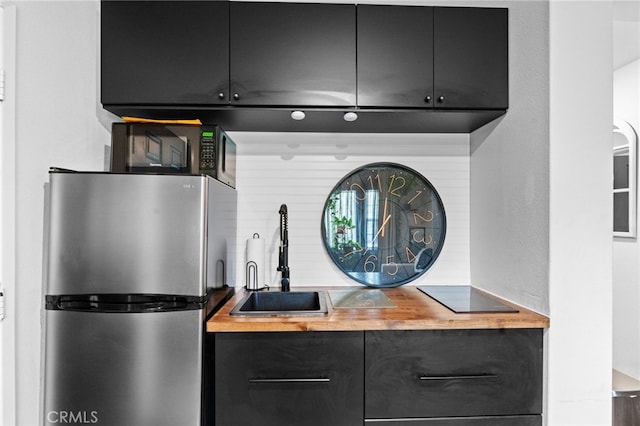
300	170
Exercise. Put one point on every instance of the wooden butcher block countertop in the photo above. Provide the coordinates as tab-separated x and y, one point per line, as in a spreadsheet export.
413	310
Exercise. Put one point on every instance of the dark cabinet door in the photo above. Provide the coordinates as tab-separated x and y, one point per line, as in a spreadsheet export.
302	379
467	421
424	57
453	373
293	54
165	52
395	56
471	59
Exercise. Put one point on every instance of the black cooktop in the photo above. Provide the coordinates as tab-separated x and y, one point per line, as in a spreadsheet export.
463	299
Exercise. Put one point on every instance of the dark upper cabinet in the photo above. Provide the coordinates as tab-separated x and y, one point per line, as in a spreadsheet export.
395	56
293	54
165	52
471	51
424	57
245	65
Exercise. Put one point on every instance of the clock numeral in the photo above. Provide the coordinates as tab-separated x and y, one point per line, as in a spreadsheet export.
369	264
428	218
391	267
377	178
396	183
418	235
418	192
410	255
355	187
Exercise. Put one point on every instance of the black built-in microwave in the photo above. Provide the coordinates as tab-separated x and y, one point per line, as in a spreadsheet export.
173	148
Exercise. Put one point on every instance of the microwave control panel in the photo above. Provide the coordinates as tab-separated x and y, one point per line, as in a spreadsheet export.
208	151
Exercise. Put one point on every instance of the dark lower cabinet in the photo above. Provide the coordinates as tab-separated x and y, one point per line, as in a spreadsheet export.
464	421
276	379
391	378
453	374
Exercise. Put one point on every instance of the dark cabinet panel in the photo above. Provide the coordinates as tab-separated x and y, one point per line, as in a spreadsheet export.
395	56
468	421
458	373
415	69
312	378
165	52
471	66
293	54
432	57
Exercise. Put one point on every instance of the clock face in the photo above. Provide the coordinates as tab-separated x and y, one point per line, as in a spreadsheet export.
384	225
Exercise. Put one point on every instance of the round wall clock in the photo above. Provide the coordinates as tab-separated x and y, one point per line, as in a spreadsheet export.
384	225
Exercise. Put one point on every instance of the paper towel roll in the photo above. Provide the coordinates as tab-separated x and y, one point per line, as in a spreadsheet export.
255	267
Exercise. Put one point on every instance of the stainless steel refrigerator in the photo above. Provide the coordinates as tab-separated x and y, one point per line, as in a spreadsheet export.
129	262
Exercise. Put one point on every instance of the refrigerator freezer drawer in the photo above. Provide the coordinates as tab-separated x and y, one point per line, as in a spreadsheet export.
116	369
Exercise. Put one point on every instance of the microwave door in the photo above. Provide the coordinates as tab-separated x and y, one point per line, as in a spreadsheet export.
157	149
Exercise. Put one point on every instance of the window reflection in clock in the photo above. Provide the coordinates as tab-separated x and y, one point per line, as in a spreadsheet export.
384	225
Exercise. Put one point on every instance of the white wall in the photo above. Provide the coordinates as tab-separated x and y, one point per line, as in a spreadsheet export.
3	64
510	172
7	169
301	169
580	214
626	251
56	125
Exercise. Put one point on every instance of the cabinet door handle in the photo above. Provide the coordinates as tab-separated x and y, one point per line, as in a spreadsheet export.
440	99
221	95
236	96
292	380
427	99
459	377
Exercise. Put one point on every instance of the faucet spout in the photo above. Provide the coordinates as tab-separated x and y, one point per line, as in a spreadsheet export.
283	252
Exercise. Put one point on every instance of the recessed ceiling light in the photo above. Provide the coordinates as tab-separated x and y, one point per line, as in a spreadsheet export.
298	115
350	116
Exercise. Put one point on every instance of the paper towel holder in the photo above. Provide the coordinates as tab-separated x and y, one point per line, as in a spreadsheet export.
251	273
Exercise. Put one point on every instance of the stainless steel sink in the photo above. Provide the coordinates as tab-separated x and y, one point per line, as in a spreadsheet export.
278	303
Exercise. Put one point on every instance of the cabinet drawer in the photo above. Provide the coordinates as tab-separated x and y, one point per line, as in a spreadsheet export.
459	373
306	378
467	421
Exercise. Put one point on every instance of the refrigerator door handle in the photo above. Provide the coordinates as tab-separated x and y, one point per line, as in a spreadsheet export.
126	303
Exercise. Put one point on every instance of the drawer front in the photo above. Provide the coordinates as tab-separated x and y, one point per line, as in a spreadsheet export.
306	378
459	373
466	421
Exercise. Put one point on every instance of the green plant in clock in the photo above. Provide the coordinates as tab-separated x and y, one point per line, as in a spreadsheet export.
342	246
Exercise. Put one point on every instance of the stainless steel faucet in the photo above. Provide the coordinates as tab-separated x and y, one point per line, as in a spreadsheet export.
283	257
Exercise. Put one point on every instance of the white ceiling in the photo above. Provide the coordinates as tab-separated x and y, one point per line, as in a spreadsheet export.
626	32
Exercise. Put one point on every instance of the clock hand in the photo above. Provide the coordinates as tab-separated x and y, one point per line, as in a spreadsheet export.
385	215
354	250
375	237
